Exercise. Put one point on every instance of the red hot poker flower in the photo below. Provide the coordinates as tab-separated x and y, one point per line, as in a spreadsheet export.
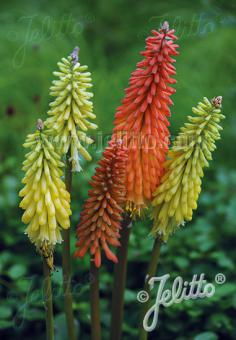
100	219
141	121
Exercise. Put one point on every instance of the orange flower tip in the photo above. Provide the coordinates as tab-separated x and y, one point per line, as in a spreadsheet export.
111	257
97	259
81	252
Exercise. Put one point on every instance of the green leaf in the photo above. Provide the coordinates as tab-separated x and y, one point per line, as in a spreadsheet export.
34	314
5	258
206	336
5	324
5	312
225	289
130	296
182	262
61	327
220	321
16	271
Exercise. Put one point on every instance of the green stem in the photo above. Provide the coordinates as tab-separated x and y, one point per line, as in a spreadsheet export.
119	281
152	268
66	263
94	303
48	301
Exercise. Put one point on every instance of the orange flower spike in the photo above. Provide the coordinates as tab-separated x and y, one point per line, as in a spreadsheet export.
141	121
100	219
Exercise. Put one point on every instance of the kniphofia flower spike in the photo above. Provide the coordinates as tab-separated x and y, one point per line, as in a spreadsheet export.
100	219
142	119
177	196
45	199
71	111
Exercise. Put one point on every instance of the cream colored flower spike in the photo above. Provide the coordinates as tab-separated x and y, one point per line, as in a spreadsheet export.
72	109
45	199
177	196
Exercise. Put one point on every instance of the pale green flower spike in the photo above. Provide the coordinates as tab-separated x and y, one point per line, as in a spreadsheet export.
71	110
177	195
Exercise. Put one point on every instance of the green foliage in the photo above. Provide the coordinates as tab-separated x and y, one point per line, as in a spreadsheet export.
34	36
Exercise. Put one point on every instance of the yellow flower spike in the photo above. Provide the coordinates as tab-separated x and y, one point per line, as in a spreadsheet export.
72	109
44	197
177	195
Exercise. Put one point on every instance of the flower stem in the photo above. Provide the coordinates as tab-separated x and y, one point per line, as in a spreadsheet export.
94	303
66	264
119	281
152	268
48	301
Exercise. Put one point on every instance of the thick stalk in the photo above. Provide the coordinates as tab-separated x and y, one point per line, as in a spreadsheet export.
94	303
152	268
48	301
66	263
119	281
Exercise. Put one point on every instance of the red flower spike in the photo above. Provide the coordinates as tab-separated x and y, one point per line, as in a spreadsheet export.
141	121
100	219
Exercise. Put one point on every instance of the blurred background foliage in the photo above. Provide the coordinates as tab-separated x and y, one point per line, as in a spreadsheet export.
34	36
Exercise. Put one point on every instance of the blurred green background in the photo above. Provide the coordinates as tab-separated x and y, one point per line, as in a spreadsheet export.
34	35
